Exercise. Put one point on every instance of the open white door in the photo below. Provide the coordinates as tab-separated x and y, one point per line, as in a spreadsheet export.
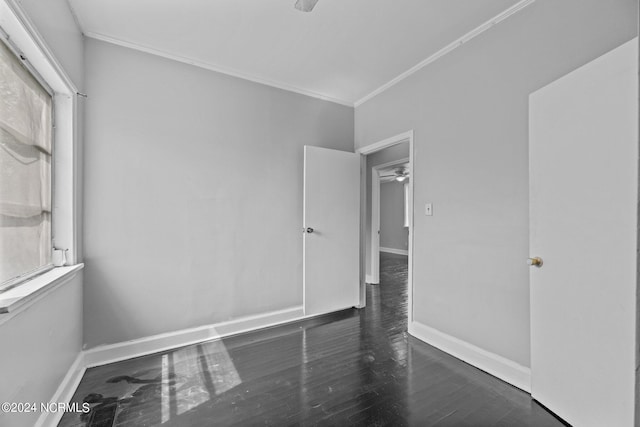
331	221
583	158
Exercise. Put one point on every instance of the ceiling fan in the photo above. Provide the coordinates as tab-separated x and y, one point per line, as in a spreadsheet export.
399	174
305	5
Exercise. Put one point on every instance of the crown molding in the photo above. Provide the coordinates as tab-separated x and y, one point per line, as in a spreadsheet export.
447	49
216	68
76	17
290	88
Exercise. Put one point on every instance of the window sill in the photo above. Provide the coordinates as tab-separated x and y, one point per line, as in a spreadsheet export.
25	294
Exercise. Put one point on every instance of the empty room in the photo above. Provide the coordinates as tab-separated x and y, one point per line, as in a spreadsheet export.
319	212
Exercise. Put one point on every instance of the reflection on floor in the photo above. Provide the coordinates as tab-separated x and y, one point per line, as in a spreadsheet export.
349	368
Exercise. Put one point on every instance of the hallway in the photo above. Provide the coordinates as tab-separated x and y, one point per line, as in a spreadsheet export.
348	368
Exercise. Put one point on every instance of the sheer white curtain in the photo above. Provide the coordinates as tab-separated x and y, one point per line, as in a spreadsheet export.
25	170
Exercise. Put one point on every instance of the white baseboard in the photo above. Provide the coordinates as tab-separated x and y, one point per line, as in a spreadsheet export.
394	251
64	393
156	343
498	366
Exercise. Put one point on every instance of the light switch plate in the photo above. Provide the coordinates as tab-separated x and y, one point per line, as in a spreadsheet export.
428	209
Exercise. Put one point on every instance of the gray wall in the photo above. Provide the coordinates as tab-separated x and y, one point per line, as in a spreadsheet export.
40	345
393	233
395	152
56	24
193	193
469	111
46	337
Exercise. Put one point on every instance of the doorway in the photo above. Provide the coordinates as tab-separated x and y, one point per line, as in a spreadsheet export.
372	244
387	211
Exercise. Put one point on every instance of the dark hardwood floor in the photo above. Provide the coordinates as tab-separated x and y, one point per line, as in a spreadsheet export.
355	367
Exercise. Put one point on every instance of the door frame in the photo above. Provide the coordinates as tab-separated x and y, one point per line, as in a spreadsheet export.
374	278
364	151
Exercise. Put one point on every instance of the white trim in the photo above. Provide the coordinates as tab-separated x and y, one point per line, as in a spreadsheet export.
491	363
112	353
394	251
375	226
498	366
75	16
26	34
25	38
445	50
64	392
284	86
375	215
369	149
369	279
156	343
394	140
216	68
28	293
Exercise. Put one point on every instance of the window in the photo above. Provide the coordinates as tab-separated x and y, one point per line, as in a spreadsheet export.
407	204
26	146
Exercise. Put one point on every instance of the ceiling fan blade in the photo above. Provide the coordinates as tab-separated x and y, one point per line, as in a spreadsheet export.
305	5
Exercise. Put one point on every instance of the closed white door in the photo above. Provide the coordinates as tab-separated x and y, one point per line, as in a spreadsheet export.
583	210
331	226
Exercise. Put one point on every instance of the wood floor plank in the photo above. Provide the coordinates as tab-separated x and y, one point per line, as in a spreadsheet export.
355	367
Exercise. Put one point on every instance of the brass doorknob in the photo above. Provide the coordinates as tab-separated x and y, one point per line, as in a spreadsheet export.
535	262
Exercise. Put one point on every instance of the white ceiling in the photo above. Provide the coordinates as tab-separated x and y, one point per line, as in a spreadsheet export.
342	51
